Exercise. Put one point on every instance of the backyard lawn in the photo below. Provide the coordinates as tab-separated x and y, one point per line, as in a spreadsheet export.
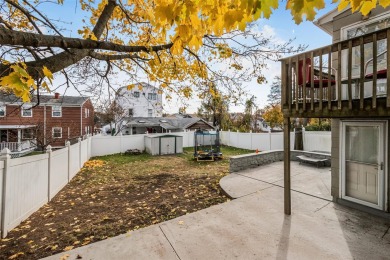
114	194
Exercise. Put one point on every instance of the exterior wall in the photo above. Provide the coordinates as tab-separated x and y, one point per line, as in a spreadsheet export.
72	119
141	104
87	120
348	18
335	170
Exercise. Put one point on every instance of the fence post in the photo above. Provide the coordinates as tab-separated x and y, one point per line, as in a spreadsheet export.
6	157
270	139
229	139
303	138
67	145
49	153
250	132
79	142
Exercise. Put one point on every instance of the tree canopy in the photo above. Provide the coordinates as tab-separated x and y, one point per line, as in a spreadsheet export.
177	44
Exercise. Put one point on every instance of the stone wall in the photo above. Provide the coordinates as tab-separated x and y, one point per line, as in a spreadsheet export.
252	160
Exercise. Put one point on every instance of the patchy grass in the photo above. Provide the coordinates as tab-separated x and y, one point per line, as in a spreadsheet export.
115	194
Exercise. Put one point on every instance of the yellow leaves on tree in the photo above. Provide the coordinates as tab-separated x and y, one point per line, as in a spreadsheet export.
363	6
273	116
20	82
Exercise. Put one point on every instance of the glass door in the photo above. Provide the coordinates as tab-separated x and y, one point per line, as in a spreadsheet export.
363	163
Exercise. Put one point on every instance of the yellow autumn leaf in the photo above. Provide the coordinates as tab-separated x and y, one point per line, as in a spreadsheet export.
47	73
68	248
16	255
92	37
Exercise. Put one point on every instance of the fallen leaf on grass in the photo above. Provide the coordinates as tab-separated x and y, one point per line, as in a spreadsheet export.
16	255
54	247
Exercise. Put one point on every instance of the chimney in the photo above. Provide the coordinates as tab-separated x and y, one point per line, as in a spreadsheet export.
56	95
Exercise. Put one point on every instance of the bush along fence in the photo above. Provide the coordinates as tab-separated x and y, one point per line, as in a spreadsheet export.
27	183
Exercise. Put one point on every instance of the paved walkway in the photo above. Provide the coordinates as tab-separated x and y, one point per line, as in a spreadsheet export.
254	226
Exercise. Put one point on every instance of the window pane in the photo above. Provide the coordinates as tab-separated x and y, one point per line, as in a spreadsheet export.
362	144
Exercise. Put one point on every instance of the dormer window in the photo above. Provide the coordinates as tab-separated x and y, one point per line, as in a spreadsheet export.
136	94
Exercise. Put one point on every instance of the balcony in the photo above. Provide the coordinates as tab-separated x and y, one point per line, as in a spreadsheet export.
344	79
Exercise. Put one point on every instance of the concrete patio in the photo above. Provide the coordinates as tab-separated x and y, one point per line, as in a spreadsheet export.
253	226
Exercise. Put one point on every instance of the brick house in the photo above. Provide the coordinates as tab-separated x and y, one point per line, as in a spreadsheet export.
49	119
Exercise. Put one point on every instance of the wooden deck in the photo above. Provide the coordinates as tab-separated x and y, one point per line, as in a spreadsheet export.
336	81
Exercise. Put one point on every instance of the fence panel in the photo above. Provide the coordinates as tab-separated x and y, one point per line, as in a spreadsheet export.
234	139
26	188
74	160
84	151
132	142
58	171
261	141
319	141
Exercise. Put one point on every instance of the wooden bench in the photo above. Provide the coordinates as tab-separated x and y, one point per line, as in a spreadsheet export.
306	159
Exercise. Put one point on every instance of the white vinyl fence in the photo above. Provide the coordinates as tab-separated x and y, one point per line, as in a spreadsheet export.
312	141
27	183
104	145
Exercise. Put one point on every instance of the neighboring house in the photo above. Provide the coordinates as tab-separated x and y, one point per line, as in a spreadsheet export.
143	100
141	125
348	84
51	119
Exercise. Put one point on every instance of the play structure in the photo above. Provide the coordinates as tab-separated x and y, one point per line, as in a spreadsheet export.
207	145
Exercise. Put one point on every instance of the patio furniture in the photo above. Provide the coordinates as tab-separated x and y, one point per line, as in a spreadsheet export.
311	160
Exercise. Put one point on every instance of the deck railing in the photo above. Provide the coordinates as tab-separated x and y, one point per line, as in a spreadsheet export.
337	77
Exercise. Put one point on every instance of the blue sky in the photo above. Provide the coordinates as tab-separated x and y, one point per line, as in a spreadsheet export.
280	25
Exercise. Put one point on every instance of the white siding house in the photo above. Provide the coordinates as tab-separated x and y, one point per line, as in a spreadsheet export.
143	100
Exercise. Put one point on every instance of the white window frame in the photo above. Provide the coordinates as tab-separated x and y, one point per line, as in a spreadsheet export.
85	112
53	130
26	108
150	112
53	110
4	109
24	131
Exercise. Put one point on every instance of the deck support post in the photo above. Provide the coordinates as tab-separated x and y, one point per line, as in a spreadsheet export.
287	169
